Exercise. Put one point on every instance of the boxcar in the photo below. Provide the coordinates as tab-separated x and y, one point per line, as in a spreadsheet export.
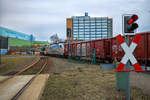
141	53
109	49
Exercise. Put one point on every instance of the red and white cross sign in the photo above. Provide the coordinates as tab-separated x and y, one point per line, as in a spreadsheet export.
129	54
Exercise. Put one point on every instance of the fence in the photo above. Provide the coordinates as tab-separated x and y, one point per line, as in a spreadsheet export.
84	53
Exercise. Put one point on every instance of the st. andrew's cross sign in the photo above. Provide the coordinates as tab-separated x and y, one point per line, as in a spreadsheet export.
129	54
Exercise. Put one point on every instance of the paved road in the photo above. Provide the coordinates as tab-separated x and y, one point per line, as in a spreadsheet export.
141	80
10	87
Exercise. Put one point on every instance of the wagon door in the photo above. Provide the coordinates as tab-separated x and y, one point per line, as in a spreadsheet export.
78	49
107	47
98	48
83	48
89	50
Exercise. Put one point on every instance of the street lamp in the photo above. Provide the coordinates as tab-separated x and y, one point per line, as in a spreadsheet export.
69	35
0	51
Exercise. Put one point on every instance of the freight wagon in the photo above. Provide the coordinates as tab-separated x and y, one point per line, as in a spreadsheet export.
110	49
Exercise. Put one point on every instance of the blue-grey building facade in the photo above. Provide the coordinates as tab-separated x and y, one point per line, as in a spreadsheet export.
91	28
10	33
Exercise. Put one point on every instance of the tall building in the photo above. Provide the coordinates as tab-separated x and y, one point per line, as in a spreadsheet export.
88	28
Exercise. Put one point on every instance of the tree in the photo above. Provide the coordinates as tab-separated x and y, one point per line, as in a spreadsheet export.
54	38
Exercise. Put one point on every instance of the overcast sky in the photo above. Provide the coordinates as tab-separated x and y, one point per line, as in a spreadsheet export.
42	18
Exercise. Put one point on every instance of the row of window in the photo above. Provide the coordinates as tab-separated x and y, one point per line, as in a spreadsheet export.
76	35
91	33
104	24
104	33
84	28
80	38
91	30
92	26
90	19
91	23
90	37
102	28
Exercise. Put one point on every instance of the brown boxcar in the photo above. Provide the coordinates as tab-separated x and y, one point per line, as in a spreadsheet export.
99	48
89	49
142	51
83	49
148	46
116	50
74	49
78	48
66	49
111	49
103	48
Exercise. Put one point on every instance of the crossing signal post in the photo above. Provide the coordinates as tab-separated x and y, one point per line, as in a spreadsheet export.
129	27
130	24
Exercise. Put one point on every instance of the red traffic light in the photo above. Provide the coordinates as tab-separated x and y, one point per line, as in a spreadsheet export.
133	18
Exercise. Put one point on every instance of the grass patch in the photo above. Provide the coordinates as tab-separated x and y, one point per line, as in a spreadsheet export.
86	83
10	64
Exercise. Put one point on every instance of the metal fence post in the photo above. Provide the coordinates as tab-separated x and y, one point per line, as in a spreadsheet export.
94	57
80	55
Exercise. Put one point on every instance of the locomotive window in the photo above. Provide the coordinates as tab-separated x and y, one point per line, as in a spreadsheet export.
60	46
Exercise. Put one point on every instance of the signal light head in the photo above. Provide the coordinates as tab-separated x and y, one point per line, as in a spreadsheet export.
133	27
129	23
133	18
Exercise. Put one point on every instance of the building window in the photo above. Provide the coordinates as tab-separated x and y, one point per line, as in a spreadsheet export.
92	30
81	19
87	24
81	32
104	24
76	25
75	35
93	26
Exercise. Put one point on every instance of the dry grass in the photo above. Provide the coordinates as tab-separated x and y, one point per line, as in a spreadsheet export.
9	64
85	83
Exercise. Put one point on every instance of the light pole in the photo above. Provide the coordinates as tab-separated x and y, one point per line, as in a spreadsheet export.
69	33
0	51
31	44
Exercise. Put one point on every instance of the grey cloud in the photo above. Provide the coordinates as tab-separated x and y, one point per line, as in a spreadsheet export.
47	17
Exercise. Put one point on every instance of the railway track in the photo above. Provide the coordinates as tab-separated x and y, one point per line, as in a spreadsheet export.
26	67
30	81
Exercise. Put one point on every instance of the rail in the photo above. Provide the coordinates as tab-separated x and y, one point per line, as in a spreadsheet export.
24	69
30	81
